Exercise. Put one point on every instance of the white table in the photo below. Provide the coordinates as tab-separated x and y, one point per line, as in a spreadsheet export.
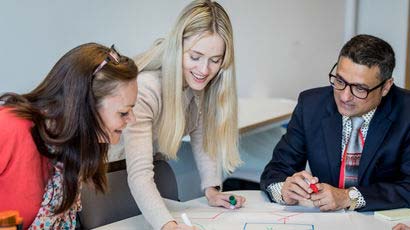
259	213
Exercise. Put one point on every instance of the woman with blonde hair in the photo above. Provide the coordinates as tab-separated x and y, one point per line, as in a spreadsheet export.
186	87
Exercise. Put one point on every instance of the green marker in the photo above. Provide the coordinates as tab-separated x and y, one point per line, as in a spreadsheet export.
232	201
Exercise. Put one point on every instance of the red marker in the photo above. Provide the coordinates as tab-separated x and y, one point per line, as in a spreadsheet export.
312	186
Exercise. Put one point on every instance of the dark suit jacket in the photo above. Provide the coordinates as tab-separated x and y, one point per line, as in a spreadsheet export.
315	133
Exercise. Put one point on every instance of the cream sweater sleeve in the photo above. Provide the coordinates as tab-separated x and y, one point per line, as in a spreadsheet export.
138	143
207	166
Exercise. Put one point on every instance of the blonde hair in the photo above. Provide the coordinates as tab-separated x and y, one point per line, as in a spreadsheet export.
220	115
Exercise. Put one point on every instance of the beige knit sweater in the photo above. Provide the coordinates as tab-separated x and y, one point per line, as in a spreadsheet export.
139	145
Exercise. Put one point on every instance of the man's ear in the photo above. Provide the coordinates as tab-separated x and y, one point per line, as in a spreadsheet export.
387	86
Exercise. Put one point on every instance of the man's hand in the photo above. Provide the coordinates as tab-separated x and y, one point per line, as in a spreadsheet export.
330	198
296	188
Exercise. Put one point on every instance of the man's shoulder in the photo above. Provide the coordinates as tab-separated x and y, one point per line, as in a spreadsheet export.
401	100
317	92
402	93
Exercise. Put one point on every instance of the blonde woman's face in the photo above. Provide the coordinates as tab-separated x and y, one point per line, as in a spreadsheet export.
202	59
116	110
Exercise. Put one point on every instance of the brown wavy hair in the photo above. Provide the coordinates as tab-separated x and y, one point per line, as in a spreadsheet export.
64	109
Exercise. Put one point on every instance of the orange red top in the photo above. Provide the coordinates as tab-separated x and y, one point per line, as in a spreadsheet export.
23	171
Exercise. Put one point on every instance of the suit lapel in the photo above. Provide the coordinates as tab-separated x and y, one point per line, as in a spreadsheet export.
332	130
378	128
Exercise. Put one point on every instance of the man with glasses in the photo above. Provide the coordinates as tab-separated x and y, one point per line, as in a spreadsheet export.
355	134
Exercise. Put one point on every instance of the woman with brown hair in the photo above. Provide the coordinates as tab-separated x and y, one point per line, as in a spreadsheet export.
56	137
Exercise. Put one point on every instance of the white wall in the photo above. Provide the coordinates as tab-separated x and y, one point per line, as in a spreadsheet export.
40	32
387	19
282	46
285	46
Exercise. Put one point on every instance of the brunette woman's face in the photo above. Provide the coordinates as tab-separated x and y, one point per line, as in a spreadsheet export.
116	110
202	59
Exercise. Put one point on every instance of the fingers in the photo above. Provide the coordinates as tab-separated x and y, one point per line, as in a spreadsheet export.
322	193
317	203
306	175
219	200
330	198
240	201
323	199
186	227
304	179
172	225
293	192
325	205
234	201
296	188
223	200
401	226
306	203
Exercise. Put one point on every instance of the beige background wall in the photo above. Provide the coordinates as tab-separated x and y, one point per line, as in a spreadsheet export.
282	46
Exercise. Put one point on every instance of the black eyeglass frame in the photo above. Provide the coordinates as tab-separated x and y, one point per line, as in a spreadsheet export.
368	91
113	56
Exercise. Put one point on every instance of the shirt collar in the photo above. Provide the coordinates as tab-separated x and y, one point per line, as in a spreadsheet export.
367	117
189	94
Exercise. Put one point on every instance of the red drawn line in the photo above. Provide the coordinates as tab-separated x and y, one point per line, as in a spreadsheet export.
288	217
284	217
208	218
218	215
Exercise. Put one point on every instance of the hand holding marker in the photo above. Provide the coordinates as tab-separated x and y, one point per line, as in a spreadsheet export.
232	201
312	186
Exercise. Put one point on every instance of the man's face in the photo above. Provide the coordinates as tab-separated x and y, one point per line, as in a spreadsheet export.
347	103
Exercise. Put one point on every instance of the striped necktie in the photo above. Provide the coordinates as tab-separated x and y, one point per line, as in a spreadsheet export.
353	153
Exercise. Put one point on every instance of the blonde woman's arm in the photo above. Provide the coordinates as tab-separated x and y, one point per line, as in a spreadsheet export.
210	177
138	141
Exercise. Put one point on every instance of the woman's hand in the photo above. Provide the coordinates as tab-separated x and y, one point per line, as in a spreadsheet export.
401	227
172	225
219	199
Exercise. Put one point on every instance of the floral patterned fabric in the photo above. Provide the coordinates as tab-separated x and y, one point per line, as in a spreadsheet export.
52	198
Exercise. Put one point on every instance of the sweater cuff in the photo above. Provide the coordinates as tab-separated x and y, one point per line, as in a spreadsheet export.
274	191
162	221
207	182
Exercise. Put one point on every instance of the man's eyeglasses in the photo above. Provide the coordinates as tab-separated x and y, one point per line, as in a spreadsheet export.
113	56
359	91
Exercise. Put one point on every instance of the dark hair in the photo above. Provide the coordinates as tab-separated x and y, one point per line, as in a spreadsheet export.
63	107
370	51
